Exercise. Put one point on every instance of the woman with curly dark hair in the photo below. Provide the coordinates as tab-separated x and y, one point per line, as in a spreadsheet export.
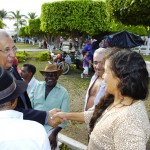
120	120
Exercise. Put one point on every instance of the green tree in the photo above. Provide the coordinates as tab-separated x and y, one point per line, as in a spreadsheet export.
27	30
131	12
1	24
74	17
34	28
32	15
4	14
117	26
22	32
17	17
22	22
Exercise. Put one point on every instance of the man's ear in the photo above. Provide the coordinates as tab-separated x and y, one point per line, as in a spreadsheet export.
14	103
31	75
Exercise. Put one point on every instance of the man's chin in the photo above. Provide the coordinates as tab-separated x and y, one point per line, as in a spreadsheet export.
50	84
99	73
8	66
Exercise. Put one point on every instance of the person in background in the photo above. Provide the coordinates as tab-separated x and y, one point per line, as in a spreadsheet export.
88	47
86	63
96	87
120	119
27	73
16	133
49	94
70	44
7	54
76	44
94	44
78	59
15	64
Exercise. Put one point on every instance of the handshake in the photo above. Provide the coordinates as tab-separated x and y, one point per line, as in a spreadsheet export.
56	117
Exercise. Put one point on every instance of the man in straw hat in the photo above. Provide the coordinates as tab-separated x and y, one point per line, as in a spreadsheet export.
49	94
16	133
7	55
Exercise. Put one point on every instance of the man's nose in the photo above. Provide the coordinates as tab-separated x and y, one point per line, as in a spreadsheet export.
99	65
12	53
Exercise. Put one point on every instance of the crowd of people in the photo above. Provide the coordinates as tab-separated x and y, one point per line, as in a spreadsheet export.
33	112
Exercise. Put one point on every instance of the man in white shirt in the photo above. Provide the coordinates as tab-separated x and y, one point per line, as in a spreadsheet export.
96	87
16	133
27	73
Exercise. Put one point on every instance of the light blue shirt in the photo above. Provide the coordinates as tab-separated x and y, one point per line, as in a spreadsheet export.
57	98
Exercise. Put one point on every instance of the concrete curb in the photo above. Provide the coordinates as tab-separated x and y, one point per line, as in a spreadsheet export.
148	67
71	143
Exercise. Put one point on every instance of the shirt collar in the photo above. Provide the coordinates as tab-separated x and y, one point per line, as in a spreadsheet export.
10	114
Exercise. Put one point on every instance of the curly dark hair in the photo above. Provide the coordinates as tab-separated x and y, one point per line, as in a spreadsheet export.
130	68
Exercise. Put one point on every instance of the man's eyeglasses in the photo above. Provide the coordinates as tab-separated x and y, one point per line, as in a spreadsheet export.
7	50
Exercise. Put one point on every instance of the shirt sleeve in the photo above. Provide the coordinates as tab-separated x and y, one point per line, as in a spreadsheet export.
65	107
32	114
85	48
31	96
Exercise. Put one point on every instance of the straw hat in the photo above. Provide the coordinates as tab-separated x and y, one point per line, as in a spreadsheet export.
51	68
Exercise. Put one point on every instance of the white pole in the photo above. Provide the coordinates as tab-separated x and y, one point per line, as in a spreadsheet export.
148	46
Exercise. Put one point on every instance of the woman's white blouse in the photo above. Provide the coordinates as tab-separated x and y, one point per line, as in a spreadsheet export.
124	128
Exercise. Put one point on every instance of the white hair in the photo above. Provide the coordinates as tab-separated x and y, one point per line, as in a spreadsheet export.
100	51
4	33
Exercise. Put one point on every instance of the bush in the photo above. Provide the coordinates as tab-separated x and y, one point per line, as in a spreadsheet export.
64	147
22	56
43	56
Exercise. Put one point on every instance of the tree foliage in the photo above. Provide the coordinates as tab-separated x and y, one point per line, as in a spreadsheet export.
1	24
32	15
22	32
3	14
34	25
17	16
117	26
27	30
84	16
132	12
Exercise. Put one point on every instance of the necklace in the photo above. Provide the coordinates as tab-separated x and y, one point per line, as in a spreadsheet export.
114	105
121	104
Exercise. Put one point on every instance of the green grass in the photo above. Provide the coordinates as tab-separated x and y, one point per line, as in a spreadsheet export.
26	46
146	58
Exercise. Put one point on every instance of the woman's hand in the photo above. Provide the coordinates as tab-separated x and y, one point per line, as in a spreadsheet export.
54	122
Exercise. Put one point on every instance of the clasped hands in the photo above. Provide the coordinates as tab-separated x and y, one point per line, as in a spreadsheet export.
56	117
